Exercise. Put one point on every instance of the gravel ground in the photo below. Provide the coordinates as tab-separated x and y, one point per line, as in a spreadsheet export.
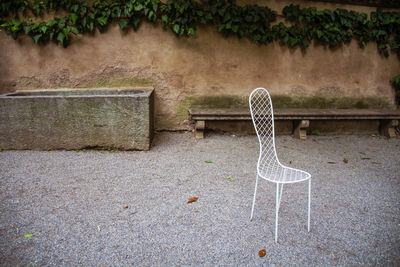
130	208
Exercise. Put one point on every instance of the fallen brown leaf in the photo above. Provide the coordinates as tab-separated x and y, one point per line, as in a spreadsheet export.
345	160
126	207
192	199
262	253
331	162
376	162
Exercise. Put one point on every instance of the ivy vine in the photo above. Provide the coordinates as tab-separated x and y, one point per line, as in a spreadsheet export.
396	85
300	28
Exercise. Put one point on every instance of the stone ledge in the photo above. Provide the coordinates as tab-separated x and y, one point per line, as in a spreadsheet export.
301	117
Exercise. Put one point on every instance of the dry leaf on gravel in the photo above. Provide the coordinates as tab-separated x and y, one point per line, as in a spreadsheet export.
345	160
376	162
262	253
192	199
331	162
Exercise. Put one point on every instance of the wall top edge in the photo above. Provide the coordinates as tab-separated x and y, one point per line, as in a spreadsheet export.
373	3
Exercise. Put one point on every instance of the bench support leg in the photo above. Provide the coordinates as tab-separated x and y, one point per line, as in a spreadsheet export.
300	129
200	126
387	128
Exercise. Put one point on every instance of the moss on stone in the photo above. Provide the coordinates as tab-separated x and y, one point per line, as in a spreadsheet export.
116	82
320	102
212	101
281	101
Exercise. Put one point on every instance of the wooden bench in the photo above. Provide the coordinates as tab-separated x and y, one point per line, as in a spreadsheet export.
389	119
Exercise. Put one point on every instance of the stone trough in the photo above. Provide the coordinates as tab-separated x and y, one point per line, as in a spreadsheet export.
77	119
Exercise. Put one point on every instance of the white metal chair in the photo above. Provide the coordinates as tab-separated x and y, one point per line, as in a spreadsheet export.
268	166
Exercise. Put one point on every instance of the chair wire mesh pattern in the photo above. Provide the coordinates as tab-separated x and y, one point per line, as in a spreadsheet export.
268	166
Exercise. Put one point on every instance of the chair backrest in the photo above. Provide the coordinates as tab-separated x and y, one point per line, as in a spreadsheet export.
262	115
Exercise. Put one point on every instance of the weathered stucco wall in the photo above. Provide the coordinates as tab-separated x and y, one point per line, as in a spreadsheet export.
205	70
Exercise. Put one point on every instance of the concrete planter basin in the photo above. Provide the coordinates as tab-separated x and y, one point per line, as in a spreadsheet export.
76	119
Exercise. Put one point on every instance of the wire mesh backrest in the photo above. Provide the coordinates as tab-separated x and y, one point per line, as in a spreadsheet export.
263	119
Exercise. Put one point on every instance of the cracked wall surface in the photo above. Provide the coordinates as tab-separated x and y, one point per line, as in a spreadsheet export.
203	71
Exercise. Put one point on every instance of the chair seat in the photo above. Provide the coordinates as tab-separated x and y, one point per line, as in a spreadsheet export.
282	174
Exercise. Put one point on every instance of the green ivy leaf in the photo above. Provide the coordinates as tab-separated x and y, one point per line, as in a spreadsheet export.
135	23
61	38
139	7
43	29
27	29
176	28
155	4
151	15
191	32
285	39
15	21
75	8
74	31
37	37
73	17
51	23
122	24
102	21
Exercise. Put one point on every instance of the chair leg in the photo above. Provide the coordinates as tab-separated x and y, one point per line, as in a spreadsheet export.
309	202
276	213
254	198
280	197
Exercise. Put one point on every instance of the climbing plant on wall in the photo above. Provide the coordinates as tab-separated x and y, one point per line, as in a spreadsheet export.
396	85
301	26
